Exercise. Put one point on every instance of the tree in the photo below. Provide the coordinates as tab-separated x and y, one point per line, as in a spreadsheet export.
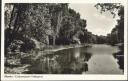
115	9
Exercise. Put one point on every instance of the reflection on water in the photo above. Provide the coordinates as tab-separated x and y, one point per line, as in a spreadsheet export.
82	60
120	59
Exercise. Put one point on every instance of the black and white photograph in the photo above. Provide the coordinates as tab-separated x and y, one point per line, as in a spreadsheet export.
64	38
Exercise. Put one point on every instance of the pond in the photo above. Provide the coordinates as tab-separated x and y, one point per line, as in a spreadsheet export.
97	59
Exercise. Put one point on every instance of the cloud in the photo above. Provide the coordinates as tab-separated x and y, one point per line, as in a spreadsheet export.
97	23
102	17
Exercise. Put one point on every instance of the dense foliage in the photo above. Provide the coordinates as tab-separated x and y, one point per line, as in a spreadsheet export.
55	24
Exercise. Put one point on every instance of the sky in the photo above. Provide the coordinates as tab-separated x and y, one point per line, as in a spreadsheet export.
97	23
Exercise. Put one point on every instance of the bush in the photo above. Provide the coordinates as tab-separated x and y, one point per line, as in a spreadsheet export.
27	45
15	45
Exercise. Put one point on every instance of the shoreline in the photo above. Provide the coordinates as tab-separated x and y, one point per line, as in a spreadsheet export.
58	48
52	49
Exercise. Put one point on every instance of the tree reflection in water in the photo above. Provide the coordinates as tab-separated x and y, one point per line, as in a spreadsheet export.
73	61
120	59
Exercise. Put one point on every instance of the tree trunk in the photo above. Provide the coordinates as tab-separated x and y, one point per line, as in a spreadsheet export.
59	20
54	39
12	25
13	16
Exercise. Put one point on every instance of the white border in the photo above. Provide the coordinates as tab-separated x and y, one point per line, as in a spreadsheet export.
60	76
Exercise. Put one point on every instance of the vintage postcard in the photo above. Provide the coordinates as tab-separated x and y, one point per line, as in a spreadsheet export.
64	40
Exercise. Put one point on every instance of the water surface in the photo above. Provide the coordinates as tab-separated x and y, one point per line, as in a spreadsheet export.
98	59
